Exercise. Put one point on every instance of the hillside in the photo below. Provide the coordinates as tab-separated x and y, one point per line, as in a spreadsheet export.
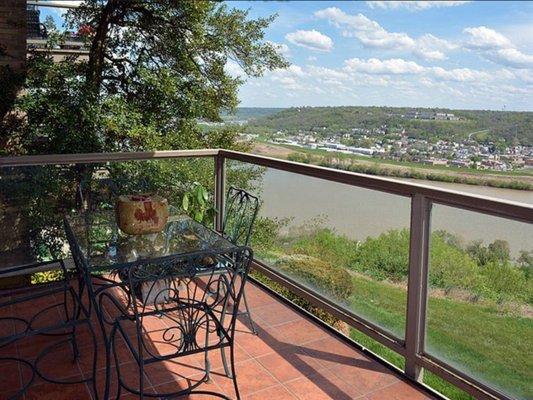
249	113
507	128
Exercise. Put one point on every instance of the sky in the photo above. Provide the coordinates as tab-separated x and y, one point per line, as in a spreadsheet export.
454	54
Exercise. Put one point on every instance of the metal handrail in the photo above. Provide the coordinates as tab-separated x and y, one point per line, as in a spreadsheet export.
422	198
484	204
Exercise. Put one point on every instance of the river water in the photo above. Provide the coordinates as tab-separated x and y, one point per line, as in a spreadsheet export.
359	213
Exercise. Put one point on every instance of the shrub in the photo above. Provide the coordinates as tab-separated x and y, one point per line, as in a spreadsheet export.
451	267
506	282
384	257
327	245
329	279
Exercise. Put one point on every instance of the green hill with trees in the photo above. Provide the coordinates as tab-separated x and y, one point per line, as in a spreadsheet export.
509	128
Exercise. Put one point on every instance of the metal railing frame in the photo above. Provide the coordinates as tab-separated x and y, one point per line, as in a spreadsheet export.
412	348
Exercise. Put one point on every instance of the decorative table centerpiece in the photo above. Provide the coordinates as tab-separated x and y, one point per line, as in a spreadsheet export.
141	214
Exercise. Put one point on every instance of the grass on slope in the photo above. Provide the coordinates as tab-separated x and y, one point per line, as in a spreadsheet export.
495	348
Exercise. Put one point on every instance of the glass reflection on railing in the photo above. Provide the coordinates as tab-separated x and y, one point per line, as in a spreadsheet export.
346	243
34	199
480	298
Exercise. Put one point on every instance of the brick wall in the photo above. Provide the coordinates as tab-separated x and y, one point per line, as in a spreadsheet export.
13	33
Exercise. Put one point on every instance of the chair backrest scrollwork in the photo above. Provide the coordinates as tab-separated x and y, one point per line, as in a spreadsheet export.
241	212
195	295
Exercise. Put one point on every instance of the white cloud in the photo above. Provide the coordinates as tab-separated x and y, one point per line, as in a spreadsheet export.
511	58
485	38
385	40
398	66
431	47
372	34
374	66
340	19
460	74
312	40
414	5
524	75
394	82
290	78
496	47
326	73
293	71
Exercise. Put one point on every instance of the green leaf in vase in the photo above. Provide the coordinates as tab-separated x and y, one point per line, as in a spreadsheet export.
185	202
199	216
199	196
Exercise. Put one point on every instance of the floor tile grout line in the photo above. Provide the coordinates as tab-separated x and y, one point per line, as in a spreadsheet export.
283	383
397	380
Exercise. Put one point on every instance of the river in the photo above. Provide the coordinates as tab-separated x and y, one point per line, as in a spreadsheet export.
359	213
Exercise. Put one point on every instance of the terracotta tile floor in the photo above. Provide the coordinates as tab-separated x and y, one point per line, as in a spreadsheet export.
291	358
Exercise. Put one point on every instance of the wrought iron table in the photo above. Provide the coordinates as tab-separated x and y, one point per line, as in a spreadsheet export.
100	250
107	249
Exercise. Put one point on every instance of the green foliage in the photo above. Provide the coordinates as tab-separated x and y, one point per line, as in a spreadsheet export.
497	251
327	245
525	261
46	276
130	95
299	157
327	278
509	128
486	273
382	169
265	234
198	204
505	281
384	257
451	267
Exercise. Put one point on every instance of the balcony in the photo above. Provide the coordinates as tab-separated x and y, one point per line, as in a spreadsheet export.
37	36
292	357
421	330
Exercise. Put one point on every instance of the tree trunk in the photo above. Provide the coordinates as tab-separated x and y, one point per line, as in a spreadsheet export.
98	47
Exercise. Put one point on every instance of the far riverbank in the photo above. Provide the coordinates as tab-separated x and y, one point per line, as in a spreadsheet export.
513	180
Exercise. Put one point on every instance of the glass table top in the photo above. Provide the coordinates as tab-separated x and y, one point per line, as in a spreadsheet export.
105	246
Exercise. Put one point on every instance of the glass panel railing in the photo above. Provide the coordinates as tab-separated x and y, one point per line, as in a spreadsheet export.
34	199
346	243
480	298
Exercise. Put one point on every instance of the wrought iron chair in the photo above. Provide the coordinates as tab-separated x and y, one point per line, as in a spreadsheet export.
241	212
72	316
191	295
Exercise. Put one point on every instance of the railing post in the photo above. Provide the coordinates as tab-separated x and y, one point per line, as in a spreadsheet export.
417	289
220	190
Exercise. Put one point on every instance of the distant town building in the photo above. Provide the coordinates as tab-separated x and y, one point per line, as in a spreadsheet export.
428	115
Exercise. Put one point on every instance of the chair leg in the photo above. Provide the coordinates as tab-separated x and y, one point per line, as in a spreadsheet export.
141	380
233	373
247	312
225	363
206	356
95	360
